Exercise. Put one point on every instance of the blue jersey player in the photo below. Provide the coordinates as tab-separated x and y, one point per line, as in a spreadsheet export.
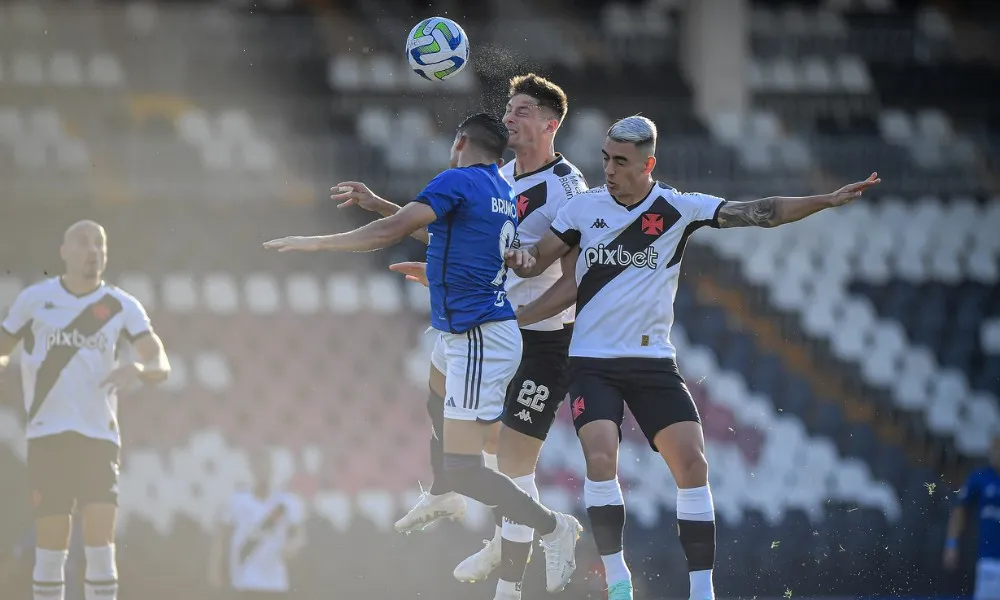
470	216
981	493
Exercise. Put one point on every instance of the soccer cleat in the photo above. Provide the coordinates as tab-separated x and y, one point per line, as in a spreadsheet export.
620	591
430	509
479	566
560	552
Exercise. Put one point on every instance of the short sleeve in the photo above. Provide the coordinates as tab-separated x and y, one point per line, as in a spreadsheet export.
703	208
565	228
137	322
19	315
968	495
443	193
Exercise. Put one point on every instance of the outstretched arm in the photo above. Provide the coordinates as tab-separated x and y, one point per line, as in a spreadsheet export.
373	236
779	210
532	261
350	193
557	298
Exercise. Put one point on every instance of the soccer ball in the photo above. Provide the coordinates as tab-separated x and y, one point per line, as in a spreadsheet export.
437	49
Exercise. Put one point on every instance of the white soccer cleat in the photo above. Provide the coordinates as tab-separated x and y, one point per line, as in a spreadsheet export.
560	552
479	566
430	509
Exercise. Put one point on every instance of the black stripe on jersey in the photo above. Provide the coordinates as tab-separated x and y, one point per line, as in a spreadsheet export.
552	164
444	272
264	527
691	228
24	334
468	368
570	237
633	239
531	200
87	323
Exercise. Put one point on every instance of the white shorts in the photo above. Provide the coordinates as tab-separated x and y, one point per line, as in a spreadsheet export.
987	580
478	365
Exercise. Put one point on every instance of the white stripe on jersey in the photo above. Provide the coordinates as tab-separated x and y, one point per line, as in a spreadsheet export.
628	267
539	195
70	347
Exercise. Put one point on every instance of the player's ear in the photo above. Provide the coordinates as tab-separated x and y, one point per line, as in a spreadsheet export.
650	164
500	162
460	142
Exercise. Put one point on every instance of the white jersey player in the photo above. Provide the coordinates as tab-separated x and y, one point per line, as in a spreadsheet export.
259	530
70	328
631	235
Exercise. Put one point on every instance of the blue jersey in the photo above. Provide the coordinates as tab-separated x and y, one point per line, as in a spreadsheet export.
982	493
476	224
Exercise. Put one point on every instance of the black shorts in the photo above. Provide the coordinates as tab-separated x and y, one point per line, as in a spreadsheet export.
652	387
68	469
540	383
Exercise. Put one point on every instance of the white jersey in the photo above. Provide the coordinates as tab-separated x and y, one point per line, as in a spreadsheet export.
70	347
628	267
539	196
261	528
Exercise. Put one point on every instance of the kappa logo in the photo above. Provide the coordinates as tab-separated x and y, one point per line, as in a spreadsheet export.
578	407
599	224
524	415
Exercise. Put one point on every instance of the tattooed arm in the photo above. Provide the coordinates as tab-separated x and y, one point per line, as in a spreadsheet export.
778	210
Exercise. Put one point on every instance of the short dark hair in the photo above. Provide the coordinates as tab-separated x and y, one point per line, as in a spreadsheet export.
486	132
547	94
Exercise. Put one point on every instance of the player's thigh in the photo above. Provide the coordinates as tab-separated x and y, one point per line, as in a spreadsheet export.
480	364
668	416
52	474
598	409
540	384
97	494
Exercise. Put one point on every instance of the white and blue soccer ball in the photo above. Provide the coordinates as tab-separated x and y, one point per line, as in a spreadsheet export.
437	49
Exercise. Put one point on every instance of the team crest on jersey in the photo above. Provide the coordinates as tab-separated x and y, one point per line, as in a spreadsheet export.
652	224
101	311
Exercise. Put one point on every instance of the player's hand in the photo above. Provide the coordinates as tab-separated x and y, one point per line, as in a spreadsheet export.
355	193
520	260
853	191
293	243
414	271
123	377
4	361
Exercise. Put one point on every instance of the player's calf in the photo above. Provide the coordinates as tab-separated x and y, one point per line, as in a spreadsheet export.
48	575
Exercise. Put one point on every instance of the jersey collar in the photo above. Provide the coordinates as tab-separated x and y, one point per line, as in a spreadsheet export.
544	167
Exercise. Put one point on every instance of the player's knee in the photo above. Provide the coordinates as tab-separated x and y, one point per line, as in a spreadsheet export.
690	469
602	464
517	453
464	472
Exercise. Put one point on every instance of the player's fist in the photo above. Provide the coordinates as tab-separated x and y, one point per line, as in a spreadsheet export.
293	243
351	193
520	260
414	271
123	377
854	190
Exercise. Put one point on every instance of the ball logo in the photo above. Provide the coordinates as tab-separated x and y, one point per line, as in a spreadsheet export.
75	339
620	257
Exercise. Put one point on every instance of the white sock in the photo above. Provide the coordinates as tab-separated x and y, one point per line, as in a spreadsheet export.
701	585
101	578
615	569
515	532
48	574
508	589
696	504
603	493
490	460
